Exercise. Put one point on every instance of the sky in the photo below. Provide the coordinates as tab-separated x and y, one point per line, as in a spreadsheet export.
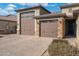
9	8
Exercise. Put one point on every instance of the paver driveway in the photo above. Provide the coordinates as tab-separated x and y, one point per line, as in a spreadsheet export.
22	45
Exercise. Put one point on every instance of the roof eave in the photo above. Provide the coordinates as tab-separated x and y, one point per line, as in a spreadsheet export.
76	11
33	8
51	16
69	5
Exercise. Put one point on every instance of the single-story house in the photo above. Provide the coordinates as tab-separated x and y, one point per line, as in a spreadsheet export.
38	21
8	24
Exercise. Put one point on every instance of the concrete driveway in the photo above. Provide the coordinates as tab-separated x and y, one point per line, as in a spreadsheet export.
22	45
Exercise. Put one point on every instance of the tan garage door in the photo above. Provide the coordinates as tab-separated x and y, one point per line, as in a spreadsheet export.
27	26
48	28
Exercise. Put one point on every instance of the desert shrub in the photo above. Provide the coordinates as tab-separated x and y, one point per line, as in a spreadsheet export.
61	48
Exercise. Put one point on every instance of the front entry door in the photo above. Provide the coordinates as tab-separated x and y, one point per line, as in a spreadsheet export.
70	28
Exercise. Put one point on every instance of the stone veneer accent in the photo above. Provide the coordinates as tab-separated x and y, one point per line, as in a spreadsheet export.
37	13
61	29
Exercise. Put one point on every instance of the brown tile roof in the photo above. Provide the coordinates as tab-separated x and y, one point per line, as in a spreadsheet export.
69	5
55	15
33	8
9	18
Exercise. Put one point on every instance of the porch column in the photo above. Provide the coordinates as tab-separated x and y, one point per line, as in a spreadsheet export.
61	28
77	27
18	23
37	13
37	27
77	30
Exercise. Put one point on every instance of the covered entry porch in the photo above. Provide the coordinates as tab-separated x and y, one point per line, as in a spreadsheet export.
70	28
67	28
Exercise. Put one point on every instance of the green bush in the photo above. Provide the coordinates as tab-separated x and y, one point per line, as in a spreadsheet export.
61	48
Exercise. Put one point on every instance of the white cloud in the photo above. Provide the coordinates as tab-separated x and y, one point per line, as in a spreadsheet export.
36	4
23	4
33	4
44	4
12	12
11	5
3	12
8	10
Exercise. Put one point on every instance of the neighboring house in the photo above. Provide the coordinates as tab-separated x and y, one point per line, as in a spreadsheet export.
40	22
8	24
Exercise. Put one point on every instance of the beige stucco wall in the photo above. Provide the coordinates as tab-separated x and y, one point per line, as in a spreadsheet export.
42	11
26	11
69	11
77	22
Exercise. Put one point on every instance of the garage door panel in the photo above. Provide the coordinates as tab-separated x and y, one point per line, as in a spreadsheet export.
27	26
49	29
